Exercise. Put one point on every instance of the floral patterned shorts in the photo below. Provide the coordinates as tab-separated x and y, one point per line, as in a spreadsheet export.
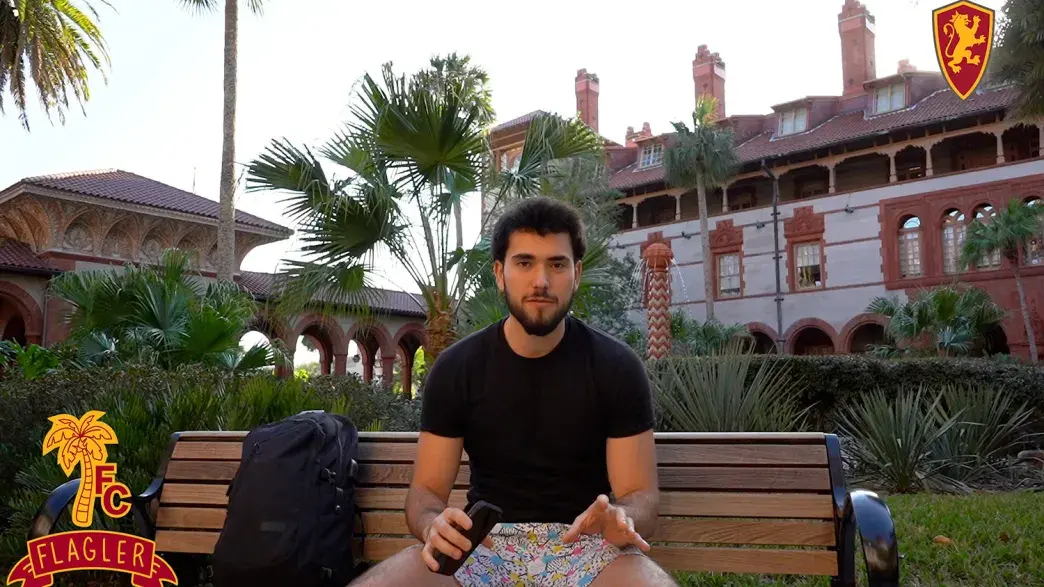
531	554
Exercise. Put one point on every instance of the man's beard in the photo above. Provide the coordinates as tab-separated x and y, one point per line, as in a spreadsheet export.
537	326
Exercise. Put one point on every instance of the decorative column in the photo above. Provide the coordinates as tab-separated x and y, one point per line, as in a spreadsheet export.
658	257
892	176
407	375
1000	146
833	181
367	361
340	363
387	370
725	198
928	159
677	207
634	215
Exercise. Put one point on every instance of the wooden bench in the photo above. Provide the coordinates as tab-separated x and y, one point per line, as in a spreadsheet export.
732	503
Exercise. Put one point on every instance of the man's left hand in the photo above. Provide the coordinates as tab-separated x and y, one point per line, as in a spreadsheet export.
608	520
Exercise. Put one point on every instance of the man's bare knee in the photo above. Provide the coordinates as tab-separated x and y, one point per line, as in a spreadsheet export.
634	571
404	568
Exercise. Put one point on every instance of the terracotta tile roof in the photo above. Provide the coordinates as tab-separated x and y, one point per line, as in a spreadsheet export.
16	255
516	121
399	303
936	107
123	186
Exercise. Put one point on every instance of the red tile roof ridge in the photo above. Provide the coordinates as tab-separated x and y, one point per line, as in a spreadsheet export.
68	174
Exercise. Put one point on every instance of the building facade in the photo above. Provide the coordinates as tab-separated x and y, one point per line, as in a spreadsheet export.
103	219
876	187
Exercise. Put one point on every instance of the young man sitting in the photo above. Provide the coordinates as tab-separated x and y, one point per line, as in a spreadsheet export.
555	416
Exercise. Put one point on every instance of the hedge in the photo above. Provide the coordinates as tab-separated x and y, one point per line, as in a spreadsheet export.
830	381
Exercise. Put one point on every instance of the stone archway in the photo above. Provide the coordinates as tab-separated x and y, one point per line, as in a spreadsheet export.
764	338
24	309
375	344
861	331
811	336
328	338
407	340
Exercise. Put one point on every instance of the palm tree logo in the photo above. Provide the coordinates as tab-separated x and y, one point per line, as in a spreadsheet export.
80	441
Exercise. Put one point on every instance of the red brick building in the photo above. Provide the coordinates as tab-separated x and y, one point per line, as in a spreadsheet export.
876	187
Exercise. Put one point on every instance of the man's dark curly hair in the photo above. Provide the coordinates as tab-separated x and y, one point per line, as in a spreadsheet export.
543	216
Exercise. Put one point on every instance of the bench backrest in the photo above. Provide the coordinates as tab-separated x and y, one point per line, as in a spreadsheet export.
741	503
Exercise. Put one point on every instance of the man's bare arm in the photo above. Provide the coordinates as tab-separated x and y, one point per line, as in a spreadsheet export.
434	470
632	475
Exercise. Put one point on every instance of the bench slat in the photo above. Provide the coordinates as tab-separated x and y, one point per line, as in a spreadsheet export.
666	454
193	494
672	503
187	517
201	450
201	470
181	541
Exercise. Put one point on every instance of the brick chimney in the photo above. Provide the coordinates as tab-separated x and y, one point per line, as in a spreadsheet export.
858	57
708	75
587	98
905	66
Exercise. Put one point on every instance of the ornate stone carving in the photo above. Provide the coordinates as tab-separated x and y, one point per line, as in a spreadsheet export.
117	245
78	238
804	222
152	250
726	236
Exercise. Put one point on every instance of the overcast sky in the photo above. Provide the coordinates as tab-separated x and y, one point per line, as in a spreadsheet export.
159	115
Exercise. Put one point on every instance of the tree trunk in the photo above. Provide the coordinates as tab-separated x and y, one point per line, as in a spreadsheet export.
708	262
85	495
440	328
1030	335
226	245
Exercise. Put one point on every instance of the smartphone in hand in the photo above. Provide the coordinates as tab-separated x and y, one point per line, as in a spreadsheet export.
483	516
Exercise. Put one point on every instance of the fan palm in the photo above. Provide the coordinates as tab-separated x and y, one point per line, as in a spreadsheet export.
226	241
701	158
1008	231
949	319
160	315
51	45
412	154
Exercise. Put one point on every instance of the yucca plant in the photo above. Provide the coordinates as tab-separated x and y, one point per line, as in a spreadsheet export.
720	393
987	424
891	442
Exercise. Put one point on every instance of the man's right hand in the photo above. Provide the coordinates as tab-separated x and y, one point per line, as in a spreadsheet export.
443	536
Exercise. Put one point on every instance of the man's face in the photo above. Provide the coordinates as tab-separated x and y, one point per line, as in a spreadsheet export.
538	279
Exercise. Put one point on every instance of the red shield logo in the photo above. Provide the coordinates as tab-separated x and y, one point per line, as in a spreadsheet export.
963	38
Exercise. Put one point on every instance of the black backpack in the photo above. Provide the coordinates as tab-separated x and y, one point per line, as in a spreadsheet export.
291	511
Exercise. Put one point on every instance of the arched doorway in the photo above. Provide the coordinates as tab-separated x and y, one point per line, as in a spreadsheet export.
14	329
20	316
813	341
375	350
409	341
996	341
866	336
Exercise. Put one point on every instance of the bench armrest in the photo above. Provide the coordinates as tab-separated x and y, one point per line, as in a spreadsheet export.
47	516
140	505
866	513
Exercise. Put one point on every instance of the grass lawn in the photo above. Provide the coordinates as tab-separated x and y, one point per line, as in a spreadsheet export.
998	541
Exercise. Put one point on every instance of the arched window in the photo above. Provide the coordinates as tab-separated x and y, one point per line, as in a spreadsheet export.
952	240
910	247
1035	250
983	213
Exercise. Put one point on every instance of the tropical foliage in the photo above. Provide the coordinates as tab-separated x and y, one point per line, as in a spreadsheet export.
413	149
49	46
711	337
1018	56
930	439
31	361
160	315
727	392
1009	231
701	158
948	320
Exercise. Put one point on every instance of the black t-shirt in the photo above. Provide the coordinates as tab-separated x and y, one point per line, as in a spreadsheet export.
535	430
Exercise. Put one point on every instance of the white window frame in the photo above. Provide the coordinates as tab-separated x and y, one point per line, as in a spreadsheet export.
814	249
894	95
652	155
734	292
793	121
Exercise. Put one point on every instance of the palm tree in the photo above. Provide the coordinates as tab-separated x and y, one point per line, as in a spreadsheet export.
226	242
700	158
411	153
1019	54
80	441
1009	231
50	44
161	315
950	320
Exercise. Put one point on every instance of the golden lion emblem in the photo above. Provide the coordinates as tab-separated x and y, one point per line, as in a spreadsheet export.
962	39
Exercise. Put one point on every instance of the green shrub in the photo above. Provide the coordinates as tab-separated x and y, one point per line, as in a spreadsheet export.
835	381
